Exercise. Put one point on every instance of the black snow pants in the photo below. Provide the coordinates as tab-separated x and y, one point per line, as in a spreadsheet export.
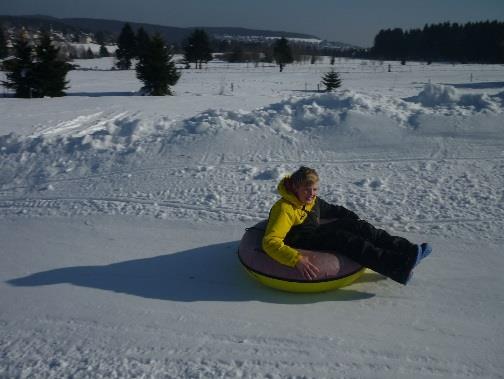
374	248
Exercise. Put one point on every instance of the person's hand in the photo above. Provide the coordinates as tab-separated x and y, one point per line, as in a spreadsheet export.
306	268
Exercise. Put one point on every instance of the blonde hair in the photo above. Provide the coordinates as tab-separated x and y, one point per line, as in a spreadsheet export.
302	177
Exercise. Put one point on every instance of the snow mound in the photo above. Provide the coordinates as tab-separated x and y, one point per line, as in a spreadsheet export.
103	141
499	97
275	173
306	114
123	132
331	111
287	116
93	132
315	112
438	95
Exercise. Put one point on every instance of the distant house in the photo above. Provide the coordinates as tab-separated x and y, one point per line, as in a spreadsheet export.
5	60
85	39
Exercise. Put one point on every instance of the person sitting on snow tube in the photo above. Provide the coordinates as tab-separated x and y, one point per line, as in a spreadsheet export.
294	222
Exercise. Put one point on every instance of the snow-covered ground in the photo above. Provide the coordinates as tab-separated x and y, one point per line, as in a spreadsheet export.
120	217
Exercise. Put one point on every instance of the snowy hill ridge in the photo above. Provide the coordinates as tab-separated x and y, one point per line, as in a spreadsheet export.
127	132
171	34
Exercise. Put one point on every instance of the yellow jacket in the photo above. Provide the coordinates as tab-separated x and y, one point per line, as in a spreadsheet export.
285	213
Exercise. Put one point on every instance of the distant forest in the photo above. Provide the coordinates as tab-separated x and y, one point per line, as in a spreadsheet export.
474	42
480	42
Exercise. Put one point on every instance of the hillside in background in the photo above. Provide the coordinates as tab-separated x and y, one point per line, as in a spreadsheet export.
173	35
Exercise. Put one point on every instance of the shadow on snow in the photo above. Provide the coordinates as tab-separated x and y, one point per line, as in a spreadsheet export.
208	273
101	94
480	85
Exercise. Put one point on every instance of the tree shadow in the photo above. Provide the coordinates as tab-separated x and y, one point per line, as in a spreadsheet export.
101	94
480	85
308	91
208	273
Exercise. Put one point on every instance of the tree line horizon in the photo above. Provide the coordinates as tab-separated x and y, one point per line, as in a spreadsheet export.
39	71
472	42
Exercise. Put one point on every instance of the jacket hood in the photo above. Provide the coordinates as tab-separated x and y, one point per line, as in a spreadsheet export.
289	196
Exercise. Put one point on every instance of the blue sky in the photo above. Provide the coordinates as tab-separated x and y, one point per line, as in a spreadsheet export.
351	21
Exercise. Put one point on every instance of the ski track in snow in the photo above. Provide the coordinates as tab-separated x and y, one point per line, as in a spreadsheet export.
222	355
465	201
108	215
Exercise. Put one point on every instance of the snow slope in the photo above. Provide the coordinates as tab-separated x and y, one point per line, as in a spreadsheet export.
120	217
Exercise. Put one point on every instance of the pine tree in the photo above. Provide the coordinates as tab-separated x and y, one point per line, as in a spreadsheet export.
100	38
126	48
89	53
142	42
236	55
282	52
49	71
20	69
331	80
3	45
197	48
156	69
103	51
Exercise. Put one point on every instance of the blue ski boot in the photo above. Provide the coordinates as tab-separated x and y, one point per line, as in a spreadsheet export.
423	251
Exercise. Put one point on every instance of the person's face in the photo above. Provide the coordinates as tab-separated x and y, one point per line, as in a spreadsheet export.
307	193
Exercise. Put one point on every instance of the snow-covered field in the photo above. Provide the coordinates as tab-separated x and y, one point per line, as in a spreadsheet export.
120	217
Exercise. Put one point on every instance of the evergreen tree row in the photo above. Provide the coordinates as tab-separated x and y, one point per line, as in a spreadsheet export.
3	44
126	47
154	68
282	52
481	42
36	71
197	47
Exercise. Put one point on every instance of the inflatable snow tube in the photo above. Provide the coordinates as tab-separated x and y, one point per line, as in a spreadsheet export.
336	270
